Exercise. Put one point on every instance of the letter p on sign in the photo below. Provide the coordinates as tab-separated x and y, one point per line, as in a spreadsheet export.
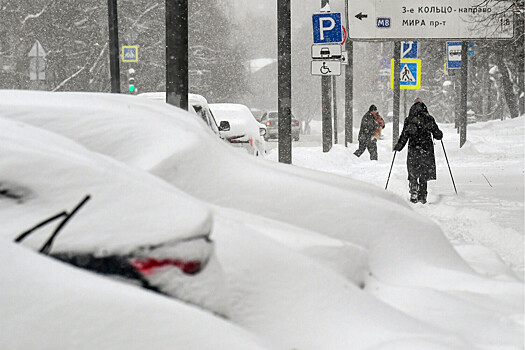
327	28
322	28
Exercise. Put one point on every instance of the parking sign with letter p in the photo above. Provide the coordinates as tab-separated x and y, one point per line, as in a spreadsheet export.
327	28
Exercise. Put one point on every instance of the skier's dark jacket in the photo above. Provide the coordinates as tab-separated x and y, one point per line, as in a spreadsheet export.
368	126
418	129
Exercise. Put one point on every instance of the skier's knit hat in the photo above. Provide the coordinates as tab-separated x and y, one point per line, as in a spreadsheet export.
372	108
417	100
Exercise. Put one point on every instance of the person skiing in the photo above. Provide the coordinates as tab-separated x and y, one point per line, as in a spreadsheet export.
365	137
418	129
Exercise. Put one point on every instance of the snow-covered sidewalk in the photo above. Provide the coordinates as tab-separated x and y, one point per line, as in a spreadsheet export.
485	220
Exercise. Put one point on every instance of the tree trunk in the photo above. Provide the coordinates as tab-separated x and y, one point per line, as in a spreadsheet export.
508	91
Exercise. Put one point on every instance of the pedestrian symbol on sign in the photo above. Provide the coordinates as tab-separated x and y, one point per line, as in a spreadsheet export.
409	74
130	53
406	75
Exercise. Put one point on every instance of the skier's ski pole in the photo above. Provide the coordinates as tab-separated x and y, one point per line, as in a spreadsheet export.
390	172
453	183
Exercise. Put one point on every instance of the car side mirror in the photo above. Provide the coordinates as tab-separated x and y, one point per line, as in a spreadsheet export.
262	131
224	126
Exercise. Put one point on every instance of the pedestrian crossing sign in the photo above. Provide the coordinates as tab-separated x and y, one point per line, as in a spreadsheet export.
130	53
410	74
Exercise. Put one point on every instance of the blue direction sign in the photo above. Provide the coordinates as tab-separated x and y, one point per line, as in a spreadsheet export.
409	49
327	28
410	74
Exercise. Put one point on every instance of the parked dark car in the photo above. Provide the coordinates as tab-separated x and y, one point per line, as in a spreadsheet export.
271	120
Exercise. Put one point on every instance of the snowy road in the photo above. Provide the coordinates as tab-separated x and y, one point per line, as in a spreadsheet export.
485	220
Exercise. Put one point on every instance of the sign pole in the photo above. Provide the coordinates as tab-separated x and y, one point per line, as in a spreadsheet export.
326	105
284	80
397	91
405	103
334	94
177	53
349	85
463	105
114	67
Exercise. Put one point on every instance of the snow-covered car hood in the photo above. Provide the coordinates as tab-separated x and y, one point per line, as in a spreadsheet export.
119	217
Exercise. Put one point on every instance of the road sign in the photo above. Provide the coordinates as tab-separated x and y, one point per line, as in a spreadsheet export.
409	49
326	51
344	57
130	53
410	74
384	63
327	28
453	55
37	62
470	48
322	67
430	19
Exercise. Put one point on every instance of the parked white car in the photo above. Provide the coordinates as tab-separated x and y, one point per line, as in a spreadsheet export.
200	108
245	131
127	224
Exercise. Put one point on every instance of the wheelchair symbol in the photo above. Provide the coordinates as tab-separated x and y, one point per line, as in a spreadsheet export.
324	69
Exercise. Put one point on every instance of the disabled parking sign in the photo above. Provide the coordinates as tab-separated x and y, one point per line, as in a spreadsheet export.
410	74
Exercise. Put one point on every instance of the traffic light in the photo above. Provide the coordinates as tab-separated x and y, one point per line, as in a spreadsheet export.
131	81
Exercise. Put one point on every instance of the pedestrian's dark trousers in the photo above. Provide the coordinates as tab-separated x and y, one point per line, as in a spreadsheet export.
372	149
418	186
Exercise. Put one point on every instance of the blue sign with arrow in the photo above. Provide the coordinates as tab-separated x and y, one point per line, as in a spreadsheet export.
327	28
409	49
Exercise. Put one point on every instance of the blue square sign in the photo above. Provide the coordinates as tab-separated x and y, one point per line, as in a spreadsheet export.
327	28
454	54
409	49
409	75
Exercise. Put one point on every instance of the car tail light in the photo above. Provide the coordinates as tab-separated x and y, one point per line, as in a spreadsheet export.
147	265
296	122
268	123
251	142
236	139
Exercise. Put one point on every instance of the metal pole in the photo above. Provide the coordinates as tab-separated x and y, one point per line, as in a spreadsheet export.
177	53
464	92
334	94
284	83
450	171
349	84
397	91
390	172
405	102
114	67
326	106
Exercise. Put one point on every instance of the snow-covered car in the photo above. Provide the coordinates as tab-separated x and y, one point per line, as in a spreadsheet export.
245	131
101	215
399	248
271	120
199	106
46	304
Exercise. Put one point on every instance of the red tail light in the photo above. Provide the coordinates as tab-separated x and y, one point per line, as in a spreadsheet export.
296	122
268	123
251	142
235	139
147	265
